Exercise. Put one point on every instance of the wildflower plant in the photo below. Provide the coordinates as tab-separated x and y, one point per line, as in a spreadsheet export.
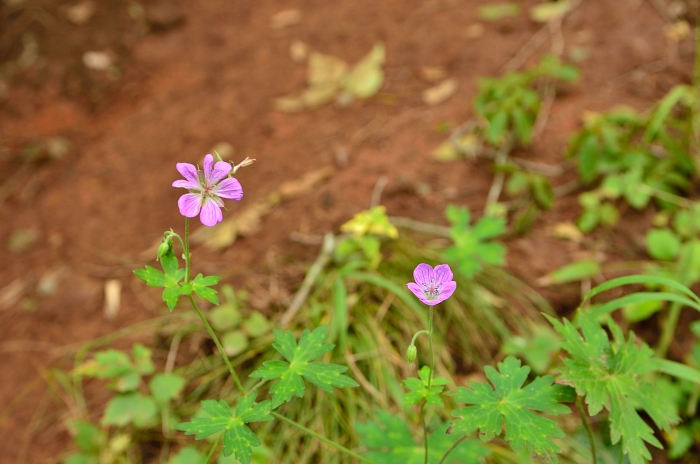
207	187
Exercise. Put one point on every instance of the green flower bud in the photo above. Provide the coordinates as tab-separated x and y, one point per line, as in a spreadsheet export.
165	248
411	353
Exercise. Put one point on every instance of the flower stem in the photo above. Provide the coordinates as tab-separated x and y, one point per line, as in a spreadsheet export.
213	448
187	250
201	316
587	426
321	438
669	329
452	448
430	381
218	345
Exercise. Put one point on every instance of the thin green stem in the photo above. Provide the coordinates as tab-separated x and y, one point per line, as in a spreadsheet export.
669	329
430	343
218	345
257	385
213	448
425	432
452	448
413	340
187	251
587	426
430	381
321	438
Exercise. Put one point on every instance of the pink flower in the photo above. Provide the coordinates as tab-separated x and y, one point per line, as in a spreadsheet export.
432	286
207	188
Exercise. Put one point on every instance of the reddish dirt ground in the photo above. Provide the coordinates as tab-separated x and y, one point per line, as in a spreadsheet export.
207	73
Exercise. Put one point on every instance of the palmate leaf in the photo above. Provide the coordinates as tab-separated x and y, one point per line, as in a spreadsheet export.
200	286
420	389
507	402
238	438
390	442
610	377
169	279
472	247
291	374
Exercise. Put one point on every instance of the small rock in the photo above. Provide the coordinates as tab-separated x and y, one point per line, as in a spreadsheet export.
97	60
164	15
81	13
298	51
57	147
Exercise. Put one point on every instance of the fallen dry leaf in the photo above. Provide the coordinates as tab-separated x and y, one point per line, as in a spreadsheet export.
285	18
440	93
568	231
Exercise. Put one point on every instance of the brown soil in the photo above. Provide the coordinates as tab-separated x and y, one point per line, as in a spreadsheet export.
194	74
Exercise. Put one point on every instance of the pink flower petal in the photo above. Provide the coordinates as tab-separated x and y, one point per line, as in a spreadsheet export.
207	166
418	291
423	273
443	274
189	172
229	188
221	170
446	291
190	204
187	184
211	213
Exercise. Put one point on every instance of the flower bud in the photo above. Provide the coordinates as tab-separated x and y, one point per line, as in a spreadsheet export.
411	353
165	248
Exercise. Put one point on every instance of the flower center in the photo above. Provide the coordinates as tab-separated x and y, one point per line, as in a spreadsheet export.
431	290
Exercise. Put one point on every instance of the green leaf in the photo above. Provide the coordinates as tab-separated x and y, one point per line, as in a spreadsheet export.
200	287
166	387
420	390
116	365
610	377
497	127
256	325
608	214
390	442
87	436
82	458
508	402
131	408
573	272
662	244
643	280
151	276
238	438
542	192
299	366
234	342
142	359
635	312
170	279
498	11
188	455
522	123
470	249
